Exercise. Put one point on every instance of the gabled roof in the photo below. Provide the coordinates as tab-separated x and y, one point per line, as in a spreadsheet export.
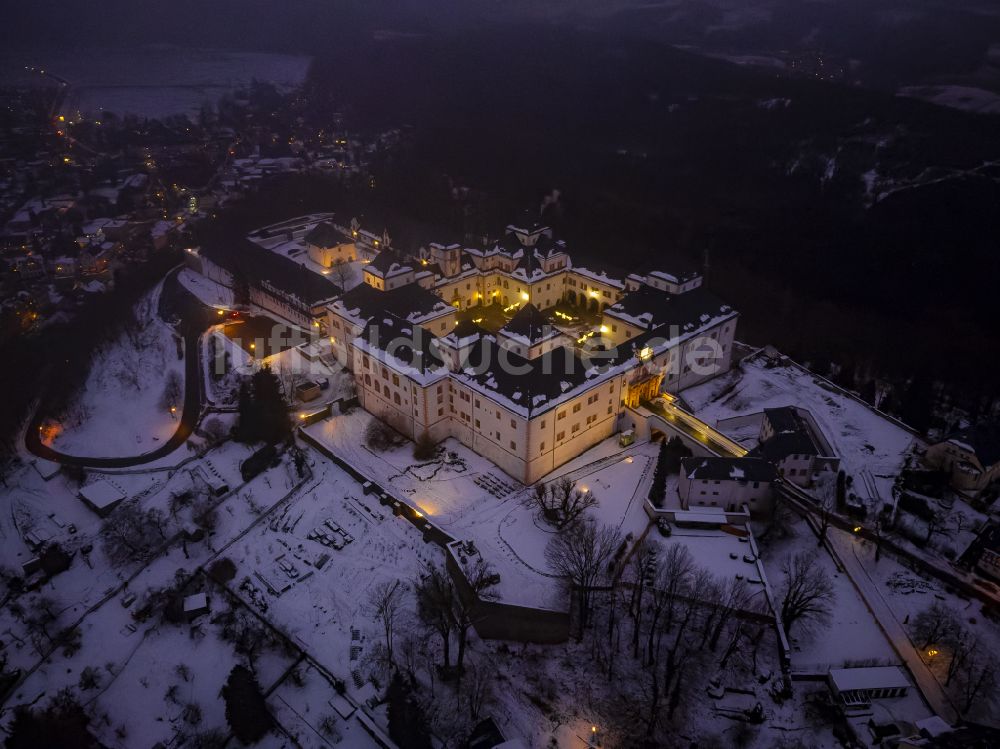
649	308
729	469
325	234
403	343
387	263
464	331
260	265
530	325
983	440
529	386
784	419
410	302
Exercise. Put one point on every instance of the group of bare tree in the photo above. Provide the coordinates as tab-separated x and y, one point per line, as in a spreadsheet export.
582	555
132	533
425	630
971	671
659	627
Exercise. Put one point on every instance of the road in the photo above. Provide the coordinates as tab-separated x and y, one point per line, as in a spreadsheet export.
686	424
194	319
844	547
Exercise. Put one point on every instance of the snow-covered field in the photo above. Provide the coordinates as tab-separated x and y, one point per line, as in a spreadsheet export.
119	412
871	447
966	98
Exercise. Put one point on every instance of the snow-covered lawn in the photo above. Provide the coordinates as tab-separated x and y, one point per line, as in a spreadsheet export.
852	633
507	531
120	410
871	447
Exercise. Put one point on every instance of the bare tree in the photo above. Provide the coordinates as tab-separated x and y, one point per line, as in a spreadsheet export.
435	595
478	689
826	502
482	579
979	681
341	272
734	597
173	391
582	554
130	533
938	523
642	569
808	594
385	603
936	623
673	572
561	503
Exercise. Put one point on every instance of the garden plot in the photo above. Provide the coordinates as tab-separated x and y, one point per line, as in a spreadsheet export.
309	709
123	408
322	605
871	447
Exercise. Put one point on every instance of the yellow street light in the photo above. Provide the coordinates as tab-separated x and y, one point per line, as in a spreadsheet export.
931	653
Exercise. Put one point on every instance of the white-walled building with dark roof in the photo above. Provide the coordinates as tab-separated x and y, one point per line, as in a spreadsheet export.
727	483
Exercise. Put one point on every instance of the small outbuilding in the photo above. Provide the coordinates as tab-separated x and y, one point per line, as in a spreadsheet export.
195	606
102	496
307	391
857	687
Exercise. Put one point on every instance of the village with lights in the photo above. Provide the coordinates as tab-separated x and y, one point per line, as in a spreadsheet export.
318	486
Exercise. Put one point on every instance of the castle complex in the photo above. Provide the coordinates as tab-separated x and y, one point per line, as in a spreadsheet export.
483	344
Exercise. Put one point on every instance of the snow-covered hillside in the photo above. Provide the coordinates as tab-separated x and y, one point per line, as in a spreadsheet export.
121	410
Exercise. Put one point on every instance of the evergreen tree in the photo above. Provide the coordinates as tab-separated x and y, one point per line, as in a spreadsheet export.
62	724
675	450
658	489
263	410
407	724
246	710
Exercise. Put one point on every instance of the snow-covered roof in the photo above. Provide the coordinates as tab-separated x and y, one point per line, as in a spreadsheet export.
195	602
102	493
729	469
708	515
868	677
